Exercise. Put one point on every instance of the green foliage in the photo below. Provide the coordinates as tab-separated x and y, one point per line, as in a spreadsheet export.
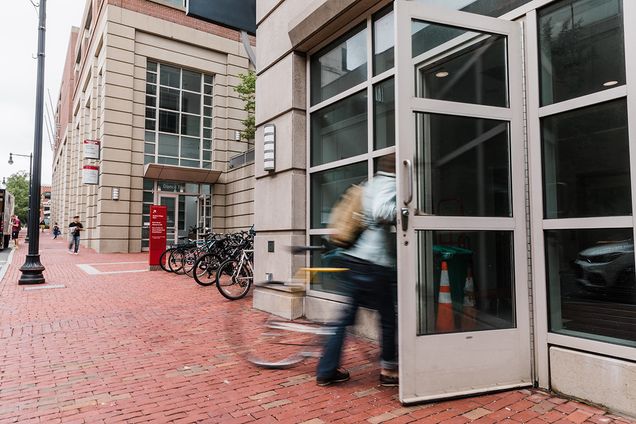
246	92
18	185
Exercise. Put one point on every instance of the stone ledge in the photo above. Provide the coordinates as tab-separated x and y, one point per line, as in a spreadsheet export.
284	301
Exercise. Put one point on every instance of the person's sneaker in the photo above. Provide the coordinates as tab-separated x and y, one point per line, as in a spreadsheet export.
75	253
389	381
339	376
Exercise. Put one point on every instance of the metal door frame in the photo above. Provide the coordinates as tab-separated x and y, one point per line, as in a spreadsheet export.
411	345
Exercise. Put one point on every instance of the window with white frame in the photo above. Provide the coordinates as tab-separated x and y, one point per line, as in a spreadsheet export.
178	116
352	118
585	152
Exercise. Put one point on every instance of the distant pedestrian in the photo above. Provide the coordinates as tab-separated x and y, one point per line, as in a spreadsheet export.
75	228
42	226
16	226
56	231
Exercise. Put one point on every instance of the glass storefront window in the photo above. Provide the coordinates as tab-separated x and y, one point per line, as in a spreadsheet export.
465	281
581	48
465	169
477	73
591	284
339	131
327	186
383	41
339	66
384	114
586	162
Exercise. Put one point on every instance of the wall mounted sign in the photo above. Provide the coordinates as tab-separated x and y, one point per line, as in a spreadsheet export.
91	149
158	225
90	174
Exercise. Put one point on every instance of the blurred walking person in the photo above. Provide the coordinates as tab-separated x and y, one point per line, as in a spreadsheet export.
370	278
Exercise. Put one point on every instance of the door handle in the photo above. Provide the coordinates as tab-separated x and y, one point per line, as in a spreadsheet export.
409	177
405	218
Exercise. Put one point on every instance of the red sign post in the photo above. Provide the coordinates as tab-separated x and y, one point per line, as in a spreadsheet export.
158	215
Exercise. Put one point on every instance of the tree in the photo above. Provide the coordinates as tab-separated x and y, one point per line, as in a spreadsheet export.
18	185
246	92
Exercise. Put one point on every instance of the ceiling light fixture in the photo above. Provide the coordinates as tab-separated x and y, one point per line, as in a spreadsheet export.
441	74
610	83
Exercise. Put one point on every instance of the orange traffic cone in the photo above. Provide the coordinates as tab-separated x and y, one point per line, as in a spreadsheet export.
469	315
445	322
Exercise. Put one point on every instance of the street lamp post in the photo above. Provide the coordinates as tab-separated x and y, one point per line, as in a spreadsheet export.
30	156
32	270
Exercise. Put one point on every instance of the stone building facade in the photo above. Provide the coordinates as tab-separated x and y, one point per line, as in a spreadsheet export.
154	87
511	122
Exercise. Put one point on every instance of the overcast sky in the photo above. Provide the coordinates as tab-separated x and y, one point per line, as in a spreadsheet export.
18	45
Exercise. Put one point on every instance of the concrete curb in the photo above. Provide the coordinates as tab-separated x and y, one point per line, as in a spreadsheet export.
6	266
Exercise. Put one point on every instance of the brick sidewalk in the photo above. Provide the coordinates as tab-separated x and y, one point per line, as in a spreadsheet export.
150	346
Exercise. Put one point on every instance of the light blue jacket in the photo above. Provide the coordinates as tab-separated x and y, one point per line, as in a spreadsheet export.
376	244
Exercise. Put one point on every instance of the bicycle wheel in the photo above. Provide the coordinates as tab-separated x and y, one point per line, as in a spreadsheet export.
232	280
206	267
164	260
176	261
189	260
268	341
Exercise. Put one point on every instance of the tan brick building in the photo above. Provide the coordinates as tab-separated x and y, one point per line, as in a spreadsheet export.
155	88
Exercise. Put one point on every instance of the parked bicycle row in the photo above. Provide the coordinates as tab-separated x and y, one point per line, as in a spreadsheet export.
225	260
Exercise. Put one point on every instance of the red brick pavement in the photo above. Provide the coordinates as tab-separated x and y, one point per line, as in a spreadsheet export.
152	347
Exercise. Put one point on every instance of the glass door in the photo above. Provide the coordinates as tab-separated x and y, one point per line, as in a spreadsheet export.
462	247
204	214
170	201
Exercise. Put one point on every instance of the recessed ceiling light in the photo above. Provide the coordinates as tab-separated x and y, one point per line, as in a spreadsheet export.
609	83
441	74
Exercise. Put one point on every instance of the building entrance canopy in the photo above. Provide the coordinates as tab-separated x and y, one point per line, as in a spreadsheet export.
157	171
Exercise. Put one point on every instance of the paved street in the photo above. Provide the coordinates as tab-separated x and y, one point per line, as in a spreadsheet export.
108	341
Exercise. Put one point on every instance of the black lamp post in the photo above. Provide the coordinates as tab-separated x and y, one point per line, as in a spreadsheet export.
30	156
32	270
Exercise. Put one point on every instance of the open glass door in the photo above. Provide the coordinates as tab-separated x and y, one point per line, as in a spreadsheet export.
462	248
204	215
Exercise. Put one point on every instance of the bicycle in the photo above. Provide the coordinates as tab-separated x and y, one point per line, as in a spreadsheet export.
280	342
224	249
234	277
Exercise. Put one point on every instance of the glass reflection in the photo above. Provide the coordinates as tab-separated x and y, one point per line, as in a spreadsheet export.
581	48
476	74
339	66
339	131
586	162
383	41
463	166
384	114
591	284
492	8
466	281
327	186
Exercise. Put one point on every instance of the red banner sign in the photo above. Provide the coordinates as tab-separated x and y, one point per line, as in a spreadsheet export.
158	215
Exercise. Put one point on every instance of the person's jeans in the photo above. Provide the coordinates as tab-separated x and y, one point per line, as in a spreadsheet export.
74	244
367	285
